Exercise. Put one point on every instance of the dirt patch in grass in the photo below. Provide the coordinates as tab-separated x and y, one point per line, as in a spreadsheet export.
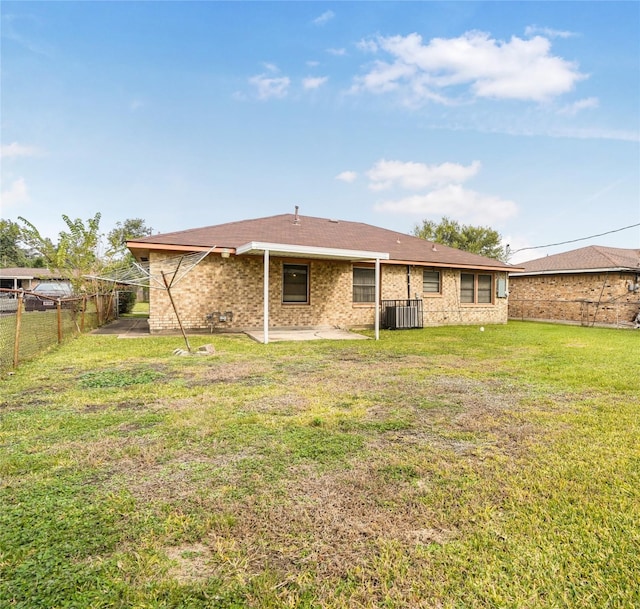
23	403
184	476
123	452
241	372
327	523
123	405
287	405
190	563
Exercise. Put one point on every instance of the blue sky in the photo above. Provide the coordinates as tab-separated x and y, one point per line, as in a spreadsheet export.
522	116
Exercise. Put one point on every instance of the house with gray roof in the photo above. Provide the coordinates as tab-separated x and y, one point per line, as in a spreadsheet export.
294	271
592	285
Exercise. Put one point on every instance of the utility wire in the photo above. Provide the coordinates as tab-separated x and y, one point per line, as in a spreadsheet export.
537	247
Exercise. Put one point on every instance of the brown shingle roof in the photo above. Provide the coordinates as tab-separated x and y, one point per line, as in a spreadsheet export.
592	257
319	232
26	273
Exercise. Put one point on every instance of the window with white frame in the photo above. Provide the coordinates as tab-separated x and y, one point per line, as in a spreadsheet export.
431	282
364	285
295	283
476	288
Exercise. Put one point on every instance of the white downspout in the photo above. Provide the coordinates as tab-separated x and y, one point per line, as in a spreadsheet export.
265	313
377	321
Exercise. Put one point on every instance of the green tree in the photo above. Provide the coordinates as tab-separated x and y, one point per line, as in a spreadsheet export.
128	230
11	254
475	239
77	253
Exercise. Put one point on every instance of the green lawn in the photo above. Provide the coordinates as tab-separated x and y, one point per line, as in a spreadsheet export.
439	468
140	309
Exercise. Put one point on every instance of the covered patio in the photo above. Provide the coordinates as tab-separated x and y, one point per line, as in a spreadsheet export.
285	250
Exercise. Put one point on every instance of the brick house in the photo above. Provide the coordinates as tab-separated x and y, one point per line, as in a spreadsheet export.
292	271
590	285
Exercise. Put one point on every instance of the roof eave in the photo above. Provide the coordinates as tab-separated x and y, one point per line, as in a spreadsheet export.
139	249
618	269
454	265
308	251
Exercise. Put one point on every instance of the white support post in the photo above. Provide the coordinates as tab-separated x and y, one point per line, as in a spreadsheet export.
377	322
266	297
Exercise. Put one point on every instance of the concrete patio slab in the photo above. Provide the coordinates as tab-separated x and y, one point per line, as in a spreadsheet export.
136	328
125	328
276	336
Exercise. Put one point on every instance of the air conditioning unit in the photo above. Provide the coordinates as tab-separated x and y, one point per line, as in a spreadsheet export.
401	315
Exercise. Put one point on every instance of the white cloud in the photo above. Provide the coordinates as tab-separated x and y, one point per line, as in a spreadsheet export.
14	150
454	201
324	18
313	64
532	30
347	176
271	67
268	87
581	104
337	52
415	176
488	68
598	134
367	46
12	27
16	193
314	82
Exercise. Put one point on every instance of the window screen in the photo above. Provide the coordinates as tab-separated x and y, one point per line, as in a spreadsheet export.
467	287
431	282
484	288
364	285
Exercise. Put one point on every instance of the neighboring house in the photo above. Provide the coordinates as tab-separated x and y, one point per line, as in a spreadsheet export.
21	278
590	285
291	271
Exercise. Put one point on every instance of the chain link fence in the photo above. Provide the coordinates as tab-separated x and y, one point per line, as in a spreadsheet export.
24	334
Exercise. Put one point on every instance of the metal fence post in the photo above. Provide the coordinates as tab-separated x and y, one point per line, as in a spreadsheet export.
16	342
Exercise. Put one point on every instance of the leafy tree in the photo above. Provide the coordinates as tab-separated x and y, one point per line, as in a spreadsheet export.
475	239
11	254
131	229
77	253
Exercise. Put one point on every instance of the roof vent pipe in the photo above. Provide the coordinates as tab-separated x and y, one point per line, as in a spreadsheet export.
296	219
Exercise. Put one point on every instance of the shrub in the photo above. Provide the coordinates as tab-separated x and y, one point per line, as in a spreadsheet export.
126	301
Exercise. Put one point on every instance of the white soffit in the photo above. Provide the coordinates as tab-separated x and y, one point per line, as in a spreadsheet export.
308	251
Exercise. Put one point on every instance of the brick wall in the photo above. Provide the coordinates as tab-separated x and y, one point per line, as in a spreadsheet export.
446	309
586	298
235	284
